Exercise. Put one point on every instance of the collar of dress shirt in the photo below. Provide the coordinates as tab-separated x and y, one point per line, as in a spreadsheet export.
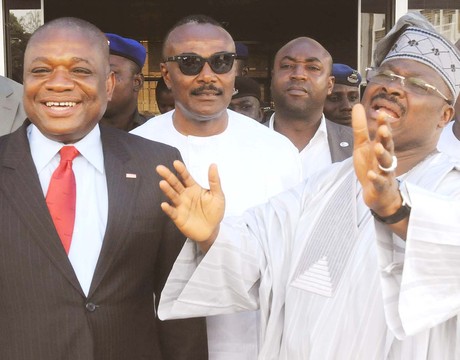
43	149
322	126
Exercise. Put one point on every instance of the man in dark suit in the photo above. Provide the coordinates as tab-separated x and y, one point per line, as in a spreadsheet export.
95	299
11	109
301	81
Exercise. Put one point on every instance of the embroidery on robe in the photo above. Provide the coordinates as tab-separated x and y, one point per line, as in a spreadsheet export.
331	241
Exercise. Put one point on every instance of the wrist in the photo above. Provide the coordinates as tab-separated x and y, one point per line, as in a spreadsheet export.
205	245
395	216
397	211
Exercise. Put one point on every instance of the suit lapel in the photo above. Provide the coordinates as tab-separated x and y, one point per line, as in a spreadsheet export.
122	189
21	186
340	139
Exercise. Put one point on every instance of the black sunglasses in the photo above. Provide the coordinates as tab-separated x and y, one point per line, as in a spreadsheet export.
191	64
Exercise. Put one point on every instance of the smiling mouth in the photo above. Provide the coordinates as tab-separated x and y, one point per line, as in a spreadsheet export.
386	111
64	104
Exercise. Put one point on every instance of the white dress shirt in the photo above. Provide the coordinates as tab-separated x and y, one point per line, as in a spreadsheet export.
92	199
316	155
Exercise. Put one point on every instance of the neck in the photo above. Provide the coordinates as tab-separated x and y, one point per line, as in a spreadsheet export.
409	159
189	125
299	131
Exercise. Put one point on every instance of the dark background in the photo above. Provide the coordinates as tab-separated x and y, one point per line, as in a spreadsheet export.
269	22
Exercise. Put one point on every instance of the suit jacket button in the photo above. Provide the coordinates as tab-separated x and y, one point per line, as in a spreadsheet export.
90	307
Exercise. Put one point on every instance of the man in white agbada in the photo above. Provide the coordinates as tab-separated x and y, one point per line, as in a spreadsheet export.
449	142
206	132
333	280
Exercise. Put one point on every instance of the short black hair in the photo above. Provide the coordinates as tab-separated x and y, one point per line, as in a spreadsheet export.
191	19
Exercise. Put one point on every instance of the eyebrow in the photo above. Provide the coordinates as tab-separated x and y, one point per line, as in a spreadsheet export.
310	59
45	59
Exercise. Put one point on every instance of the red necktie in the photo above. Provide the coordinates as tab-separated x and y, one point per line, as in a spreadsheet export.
61	196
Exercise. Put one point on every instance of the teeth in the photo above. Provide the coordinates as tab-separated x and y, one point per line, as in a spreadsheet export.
388	113
62	104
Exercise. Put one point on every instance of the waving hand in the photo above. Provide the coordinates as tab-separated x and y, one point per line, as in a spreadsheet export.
197	212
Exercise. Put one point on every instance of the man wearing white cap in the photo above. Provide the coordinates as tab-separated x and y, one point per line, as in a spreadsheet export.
449	142
362	261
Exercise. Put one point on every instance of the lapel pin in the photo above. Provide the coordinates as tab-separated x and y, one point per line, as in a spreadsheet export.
131	176
344	144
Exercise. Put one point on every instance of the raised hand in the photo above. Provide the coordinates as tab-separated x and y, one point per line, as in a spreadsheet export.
374	162
197	212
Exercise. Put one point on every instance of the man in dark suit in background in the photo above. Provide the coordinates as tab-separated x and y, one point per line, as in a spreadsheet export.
301	80
85	292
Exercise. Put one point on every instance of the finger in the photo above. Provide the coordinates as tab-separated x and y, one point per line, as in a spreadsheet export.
214	180
181	169
359	123
170	178
169	210
379	182
385	137
170	193
384	157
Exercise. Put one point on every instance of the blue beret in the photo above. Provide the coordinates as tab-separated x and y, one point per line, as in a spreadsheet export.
245	86
345	75
127	48
242	51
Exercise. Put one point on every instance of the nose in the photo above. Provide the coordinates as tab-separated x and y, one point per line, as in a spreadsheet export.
394	85
59	80
394	88
298	72
206	74
346	104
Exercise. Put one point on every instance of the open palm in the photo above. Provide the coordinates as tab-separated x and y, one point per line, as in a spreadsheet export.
197	212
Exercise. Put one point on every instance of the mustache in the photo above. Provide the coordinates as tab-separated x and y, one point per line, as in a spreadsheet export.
205	88
390	98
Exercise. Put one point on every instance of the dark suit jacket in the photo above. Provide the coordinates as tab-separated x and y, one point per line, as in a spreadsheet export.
44	315
339	138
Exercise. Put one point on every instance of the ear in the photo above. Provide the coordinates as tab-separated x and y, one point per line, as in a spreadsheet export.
110	85
446	116
138	82
330	84
166	75
260	115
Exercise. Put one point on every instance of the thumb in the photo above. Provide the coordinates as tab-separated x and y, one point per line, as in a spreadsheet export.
214	180
359	124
